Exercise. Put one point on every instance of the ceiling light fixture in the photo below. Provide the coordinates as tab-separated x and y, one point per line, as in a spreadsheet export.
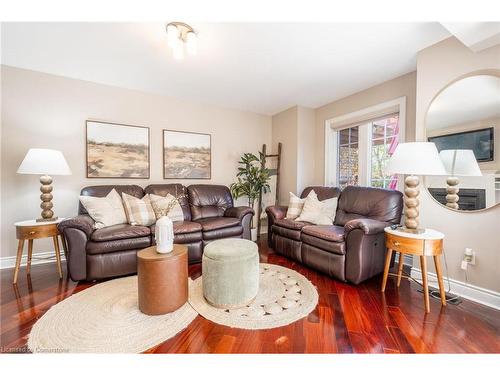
180	34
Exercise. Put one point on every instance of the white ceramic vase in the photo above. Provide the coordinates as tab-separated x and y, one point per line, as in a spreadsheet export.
164	235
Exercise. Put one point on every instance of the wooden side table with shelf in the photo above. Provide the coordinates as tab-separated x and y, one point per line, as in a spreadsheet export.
30	230
428	243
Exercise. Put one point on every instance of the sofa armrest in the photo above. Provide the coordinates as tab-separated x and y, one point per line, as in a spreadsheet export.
238	212
77	232
276	212
82	222
368	226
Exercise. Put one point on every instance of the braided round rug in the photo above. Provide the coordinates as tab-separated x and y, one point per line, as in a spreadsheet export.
105	319
284	297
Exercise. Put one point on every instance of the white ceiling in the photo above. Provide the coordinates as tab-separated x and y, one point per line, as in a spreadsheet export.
468	100
259	67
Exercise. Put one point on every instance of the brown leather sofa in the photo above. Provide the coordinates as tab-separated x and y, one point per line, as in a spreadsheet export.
109	252
353	247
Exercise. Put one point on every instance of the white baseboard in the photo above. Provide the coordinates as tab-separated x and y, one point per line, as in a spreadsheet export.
407	260
38	258
474	293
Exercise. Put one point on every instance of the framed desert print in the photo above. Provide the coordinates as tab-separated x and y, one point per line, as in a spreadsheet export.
186	155
117	150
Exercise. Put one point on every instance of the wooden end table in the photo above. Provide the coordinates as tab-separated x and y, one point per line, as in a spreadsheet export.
30	230
162	280
428	243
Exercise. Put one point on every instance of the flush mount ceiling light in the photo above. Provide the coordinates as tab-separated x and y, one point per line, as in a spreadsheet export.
180	34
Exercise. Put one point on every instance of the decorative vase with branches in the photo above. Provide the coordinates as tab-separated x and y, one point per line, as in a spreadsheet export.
252	178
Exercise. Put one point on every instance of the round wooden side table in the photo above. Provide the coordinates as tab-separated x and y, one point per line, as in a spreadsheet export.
428	243
30	230
162	280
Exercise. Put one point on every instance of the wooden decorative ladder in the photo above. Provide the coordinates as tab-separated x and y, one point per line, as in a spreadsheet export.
272	172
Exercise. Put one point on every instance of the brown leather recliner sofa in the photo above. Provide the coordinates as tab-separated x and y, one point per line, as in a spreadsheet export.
109	252
353	247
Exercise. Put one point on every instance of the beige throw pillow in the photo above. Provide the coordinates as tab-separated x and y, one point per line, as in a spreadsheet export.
295	205
160	204
105	211
139	211
318	212
328	211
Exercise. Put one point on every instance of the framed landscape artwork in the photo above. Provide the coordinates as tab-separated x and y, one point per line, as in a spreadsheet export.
186	155
117	150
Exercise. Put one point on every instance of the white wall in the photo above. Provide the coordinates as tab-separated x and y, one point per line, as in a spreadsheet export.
42	110
437	67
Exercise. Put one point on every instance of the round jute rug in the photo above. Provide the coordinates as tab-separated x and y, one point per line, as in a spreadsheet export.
284	296
105	319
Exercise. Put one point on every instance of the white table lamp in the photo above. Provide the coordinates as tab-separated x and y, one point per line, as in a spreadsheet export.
457	163
414	159
45	162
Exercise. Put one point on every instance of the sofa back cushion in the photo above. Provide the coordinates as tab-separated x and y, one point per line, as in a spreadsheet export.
176	190
103	190
358	202
322	192
209	200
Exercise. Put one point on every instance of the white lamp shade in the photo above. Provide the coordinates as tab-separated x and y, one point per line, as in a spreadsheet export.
191	43
44	161
416	158
460	163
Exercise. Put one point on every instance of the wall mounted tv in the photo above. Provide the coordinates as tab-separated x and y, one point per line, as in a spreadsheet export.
479	141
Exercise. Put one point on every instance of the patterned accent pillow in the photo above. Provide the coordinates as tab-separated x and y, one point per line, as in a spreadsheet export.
139	211
295	205
160	203
105	211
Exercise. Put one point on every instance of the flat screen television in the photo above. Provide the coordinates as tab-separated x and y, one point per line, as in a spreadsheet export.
479	141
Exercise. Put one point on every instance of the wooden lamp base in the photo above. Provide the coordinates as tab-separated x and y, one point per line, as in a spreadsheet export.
47	214
411	205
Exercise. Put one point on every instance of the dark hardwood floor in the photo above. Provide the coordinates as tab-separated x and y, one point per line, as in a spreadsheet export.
348	319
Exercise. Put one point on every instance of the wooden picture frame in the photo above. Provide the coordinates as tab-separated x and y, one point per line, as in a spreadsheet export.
188	156
109	155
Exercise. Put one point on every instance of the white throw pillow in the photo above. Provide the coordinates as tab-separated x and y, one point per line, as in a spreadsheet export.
139	211
160	204
295	205
105	211
318	212
328	211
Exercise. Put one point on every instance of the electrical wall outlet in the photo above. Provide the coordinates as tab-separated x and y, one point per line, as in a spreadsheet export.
468	258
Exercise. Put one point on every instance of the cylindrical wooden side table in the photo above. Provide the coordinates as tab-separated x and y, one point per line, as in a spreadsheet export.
162	280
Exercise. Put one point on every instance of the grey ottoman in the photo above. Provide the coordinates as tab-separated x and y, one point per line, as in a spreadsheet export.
230	272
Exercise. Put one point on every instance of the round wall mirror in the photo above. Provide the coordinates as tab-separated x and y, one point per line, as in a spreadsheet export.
463	121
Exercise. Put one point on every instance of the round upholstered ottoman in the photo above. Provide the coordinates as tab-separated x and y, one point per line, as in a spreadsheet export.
230	269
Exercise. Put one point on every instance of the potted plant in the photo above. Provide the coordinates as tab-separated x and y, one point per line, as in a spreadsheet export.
252	179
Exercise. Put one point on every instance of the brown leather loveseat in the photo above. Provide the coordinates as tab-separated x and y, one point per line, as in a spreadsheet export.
109	252
353	247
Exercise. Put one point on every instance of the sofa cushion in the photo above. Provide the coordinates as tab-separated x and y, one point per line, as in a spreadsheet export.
213	223
235	231
119	232
332	233
182	227
104	247
357	202
184	232
288	228
291	224
208	200
330	246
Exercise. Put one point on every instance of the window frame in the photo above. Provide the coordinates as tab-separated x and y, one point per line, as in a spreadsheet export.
361	118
